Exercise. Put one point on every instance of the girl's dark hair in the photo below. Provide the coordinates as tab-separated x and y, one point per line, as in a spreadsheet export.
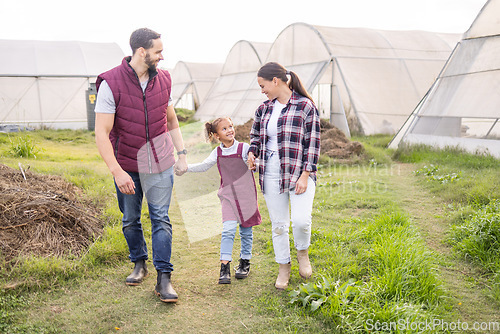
143	38
274	70
211	127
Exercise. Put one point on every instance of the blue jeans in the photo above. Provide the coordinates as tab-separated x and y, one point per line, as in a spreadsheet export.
158	191
227	240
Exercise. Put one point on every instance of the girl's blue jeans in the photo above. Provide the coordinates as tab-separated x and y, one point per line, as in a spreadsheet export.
227	240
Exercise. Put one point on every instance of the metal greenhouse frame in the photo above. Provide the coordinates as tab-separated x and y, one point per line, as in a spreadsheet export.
45	83
462	108
363	80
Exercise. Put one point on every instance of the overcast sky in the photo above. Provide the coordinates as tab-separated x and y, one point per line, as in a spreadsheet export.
205	30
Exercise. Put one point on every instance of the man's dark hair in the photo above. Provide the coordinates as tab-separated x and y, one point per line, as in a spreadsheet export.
143	38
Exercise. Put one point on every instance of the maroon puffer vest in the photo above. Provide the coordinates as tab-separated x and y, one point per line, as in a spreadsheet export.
140	139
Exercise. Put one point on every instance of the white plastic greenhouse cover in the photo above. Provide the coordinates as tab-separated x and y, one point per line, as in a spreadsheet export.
191	83
374	78
44	82
462	108
237	76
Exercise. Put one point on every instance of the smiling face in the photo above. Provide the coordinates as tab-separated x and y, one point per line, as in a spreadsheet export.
268	87
154	54
225	132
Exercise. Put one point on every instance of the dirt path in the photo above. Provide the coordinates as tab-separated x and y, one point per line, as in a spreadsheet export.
462	280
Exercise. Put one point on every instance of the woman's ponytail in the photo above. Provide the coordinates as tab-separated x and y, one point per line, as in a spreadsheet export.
296	85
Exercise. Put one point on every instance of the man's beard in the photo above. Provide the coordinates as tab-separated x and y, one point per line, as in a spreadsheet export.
151	64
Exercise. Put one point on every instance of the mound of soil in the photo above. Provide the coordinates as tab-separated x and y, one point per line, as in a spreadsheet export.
334	142
43	215
242	132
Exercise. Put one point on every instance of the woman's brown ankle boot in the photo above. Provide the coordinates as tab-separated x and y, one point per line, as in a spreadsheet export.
283	276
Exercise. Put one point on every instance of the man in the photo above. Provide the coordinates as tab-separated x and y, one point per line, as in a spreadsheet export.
136	131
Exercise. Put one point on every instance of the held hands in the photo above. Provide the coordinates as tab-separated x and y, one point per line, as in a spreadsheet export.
251	161
180	166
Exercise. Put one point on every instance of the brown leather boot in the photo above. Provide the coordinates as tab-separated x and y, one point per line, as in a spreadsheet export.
305	270
283	276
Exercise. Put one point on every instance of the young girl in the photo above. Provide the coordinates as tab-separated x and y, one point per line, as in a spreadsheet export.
237	193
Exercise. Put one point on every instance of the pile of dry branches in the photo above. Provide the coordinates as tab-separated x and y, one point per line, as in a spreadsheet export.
43	215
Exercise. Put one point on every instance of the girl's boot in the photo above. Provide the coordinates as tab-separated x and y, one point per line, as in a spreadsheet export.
305	270
283	276
225	273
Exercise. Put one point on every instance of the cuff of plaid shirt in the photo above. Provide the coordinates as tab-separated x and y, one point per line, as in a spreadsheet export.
254	150
309	167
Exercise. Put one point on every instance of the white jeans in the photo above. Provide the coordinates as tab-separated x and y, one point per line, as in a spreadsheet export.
279	205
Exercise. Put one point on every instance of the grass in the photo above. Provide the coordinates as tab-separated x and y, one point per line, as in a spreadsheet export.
371	262
476	236
477	176
470	186
374	275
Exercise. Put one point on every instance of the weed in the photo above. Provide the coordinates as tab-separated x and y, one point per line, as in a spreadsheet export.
427	170
336	295
23	147
478	236
430	173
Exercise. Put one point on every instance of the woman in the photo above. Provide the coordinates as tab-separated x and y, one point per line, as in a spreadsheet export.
285	136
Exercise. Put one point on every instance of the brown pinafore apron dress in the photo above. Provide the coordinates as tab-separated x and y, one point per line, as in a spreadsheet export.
237	192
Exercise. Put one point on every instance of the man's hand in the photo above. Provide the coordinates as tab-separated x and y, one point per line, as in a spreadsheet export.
124	182
180	166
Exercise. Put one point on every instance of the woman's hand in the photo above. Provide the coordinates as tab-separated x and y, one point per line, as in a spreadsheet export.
251	161
301	185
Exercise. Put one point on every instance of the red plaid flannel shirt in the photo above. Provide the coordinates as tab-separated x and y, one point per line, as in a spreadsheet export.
298	139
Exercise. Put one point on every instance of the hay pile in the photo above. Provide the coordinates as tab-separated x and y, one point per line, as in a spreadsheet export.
334	142
43	215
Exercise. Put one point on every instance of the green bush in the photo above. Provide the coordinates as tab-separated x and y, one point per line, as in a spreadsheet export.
185	115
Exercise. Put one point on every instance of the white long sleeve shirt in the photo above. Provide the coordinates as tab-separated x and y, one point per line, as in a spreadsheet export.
212	158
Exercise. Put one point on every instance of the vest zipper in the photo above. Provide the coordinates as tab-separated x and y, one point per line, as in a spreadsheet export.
148	145
147	132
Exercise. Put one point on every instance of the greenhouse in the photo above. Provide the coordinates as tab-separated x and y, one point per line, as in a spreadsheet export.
45	83
363	80
237	77
191	83
462	108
